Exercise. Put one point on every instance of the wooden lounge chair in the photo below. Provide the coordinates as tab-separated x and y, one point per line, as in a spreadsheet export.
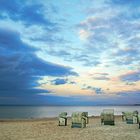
130	117
78	120
63	119
107	117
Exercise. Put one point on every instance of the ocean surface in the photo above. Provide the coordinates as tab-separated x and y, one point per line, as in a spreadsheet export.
25	112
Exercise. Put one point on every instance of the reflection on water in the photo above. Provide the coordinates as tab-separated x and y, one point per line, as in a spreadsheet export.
14	112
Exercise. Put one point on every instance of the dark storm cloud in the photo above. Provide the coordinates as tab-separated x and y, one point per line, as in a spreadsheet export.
20	68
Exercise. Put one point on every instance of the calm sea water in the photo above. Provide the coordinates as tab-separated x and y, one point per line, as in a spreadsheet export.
25	112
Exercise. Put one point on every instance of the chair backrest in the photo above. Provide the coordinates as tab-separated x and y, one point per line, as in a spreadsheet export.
85	114
107	115
128	115
63	114
108	111
77	117
123	113
135	113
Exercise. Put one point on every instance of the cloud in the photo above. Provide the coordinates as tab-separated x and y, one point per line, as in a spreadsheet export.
26	12
52	39
112	27
130	83
62	81
127	55
72	82
124	2
86	60
20	68
129	52
10	41
97	90
24	56
121	98
104	37
83	34
132	76
101	73
130	97
101	78
59	81
62	53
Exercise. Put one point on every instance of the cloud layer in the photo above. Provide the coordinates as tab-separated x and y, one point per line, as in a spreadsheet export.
69	52
20	68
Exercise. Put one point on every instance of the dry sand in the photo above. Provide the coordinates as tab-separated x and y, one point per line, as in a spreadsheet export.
48	129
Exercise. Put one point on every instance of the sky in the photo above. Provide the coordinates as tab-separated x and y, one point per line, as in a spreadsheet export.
69	52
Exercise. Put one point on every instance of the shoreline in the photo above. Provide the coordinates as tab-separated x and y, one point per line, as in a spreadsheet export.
44	119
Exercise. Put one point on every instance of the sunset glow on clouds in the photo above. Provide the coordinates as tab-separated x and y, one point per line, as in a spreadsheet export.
70	52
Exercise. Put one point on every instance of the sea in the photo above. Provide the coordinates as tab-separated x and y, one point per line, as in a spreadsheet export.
28	112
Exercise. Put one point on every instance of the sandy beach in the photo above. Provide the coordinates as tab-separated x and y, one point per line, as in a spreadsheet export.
48	129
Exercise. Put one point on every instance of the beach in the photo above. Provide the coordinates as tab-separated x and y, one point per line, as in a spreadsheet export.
48	129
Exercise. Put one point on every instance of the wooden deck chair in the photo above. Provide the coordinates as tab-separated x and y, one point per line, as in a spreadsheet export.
130	117
107	117
62	119
78	120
